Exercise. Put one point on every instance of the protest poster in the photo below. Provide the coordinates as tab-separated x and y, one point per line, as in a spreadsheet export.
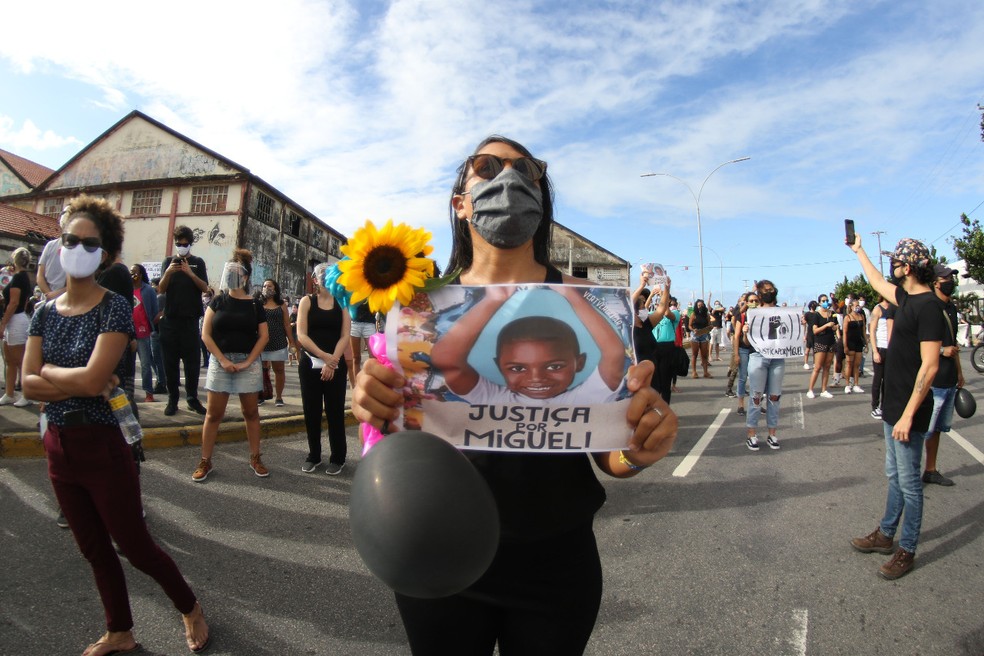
153	269
776	332
528	368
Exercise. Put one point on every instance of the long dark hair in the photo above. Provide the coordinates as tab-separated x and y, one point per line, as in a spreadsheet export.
144	278
277	298
461	241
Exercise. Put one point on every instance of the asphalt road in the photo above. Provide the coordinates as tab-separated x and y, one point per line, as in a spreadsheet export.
747	554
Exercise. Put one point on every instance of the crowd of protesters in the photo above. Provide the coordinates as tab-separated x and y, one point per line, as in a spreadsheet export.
175	322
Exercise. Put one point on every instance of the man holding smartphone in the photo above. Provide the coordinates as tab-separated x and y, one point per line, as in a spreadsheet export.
907	405
183	281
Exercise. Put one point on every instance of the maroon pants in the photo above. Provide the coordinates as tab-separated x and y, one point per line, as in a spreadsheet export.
95	479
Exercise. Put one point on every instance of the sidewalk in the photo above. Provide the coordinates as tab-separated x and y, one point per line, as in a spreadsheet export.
19	436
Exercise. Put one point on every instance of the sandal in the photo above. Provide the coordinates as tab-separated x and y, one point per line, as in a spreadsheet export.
105	641
189	622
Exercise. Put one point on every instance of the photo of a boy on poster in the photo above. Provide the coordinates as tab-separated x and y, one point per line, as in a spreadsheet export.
536	367
537	356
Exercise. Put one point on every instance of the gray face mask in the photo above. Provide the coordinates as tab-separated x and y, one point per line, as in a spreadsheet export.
507	210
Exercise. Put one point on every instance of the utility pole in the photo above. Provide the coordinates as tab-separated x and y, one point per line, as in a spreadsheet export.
881	258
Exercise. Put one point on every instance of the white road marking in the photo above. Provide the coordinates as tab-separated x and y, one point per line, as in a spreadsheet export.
801	620
800	417
967	446
691	458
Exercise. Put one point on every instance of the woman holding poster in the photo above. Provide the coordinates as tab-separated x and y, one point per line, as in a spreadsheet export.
542	592
764	379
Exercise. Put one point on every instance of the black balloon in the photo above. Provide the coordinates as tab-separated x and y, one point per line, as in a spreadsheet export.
423	519
965	404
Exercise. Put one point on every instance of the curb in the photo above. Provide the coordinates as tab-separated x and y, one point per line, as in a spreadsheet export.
28	444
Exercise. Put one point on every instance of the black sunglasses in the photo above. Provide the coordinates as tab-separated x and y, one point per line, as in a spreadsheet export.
489	166
90	244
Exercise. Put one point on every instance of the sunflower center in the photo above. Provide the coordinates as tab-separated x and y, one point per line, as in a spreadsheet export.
384	266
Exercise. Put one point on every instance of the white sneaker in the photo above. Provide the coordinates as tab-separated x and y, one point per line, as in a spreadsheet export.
806	367
857	390
847	390
9	400
810	395
23	402
826	395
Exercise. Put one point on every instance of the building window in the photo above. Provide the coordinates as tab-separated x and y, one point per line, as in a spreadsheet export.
264	207
579	271
295	223
146	201
53	207
333	245
209	199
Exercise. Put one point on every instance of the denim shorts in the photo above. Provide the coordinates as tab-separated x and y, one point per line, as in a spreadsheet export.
362	329
16	332
701	339
242	382
943	400
279	355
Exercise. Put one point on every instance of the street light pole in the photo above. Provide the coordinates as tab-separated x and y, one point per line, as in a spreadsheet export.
700	240
881	258
721	268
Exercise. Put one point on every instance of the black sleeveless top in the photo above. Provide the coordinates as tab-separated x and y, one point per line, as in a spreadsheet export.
324	327
540	495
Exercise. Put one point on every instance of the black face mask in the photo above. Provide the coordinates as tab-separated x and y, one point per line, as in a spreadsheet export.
947	287
768	297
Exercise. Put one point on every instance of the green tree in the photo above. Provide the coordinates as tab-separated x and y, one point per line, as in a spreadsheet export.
858	286
970	247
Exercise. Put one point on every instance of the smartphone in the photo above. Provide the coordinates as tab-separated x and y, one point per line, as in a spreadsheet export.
849	230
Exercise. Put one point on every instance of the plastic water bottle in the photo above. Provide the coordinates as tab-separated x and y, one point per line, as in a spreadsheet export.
123	411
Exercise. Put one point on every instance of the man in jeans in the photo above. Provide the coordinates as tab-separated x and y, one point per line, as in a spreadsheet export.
183	281
912	362
948	379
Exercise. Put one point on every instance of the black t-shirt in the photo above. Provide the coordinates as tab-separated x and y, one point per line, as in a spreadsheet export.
235	324
184	299
947	374
22	282
826	336
644	340
716	317
540	495
918	318
117	279
363	314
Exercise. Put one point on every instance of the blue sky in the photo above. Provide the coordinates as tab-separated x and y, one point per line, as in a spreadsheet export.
360	110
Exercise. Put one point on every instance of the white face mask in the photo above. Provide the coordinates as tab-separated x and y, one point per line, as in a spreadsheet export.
183	251
78	262
861	303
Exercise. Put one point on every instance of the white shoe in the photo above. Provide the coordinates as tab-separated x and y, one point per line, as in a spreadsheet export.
847	390
9	400
826	395
857	390
806	367
810	395
23	402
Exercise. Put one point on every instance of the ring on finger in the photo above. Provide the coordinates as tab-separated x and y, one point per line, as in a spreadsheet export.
657	411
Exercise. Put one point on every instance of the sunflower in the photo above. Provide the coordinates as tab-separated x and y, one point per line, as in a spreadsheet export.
386	265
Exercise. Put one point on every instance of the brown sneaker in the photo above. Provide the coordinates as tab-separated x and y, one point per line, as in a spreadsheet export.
202	471
257	466
875	542
898	566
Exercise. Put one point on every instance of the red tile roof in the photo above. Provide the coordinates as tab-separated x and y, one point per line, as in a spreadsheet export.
32	172
21	223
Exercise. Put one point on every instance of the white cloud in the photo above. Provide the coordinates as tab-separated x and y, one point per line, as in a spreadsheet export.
30	137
